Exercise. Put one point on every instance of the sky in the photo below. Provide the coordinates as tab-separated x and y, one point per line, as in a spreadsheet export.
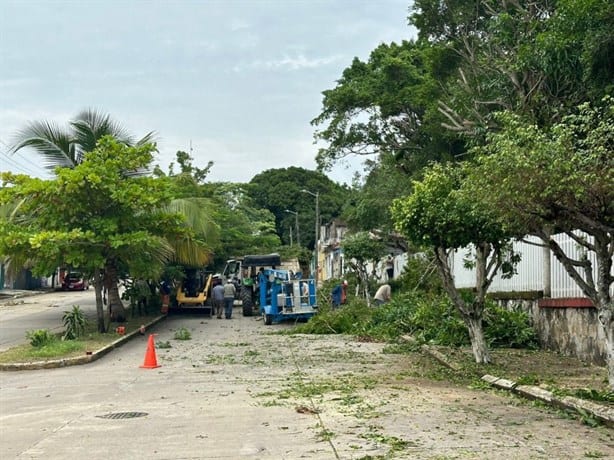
235	82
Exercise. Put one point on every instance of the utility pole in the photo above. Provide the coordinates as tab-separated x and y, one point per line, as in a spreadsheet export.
317	230
298	237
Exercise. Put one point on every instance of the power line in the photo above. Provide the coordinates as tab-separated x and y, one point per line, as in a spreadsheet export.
18	167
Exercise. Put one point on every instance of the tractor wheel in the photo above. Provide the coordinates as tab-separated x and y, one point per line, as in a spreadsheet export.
246	300
268	319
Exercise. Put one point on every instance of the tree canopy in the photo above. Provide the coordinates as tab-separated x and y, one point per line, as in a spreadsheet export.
281	190
93	216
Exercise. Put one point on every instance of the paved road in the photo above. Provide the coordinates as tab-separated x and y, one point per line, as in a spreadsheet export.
236	391
42	311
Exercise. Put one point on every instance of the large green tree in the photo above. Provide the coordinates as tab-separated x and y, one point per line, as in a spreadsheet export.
539	59
282	190
442	216
559	180
95	217
389	105
385	110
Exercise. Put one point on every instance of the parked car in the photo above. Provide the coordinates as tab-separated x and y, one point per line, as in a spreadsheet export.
74	281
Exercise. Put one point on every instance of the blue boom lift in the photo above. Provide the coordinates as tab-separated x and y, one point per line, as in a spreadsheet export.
283	298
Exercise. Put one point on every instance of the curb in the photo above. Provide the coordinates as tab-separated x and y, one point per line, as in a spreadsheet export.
77	360
600	412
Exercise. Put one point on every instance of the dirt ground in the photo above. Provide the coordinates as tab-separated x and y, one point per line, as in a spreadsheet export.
368	401
535	367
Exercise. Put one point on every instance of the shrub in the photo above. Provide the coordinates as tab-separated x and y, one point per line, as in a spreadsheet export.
74	322
40	337
419	275
428	319
508	328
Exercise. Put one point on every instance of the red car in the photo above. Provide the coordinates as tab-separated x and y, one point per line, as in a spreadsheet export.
74	281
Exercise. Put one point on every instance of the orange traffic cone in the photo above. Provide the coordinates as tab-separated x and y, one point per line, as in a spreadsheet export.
151	361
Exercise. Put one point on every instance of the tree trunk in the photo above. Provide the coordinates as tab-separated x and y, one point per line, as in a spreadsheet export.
471	313
116	307
98	286
606	318
598	292
478	342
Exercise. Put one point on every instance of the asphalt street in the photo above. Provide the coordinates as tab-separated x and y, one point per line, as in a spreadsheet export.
41	311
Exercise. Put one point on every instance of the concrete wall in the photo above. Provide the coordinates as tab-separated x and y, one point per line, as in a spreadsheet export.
573	331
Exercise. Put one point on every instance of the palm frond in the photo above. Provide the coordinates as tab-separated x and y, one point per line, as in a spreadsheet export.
90	125
148	138
192	253
53	143
198	214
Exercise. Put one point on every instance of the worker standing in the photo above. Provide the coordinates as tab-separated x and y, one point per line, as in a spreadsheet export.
339	294
218	298
229	298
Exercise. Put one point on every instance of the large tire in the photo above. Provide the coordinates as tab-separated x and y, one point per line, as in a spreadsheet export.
246	300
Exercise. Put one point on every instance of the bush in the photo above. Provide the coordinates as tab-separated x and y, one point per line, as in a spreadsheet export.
507	328
428	319
40	337
74	322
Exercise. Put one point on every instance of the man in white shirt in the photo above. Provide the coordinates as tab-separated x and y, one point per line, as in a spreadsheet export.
382	295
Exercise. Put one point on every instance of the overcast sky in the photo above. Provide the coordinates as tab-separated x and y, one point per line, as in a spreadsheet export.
239	81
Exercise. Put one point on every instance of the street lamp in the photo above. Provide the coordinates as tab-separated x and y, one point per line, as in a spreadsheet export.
317	232
298	237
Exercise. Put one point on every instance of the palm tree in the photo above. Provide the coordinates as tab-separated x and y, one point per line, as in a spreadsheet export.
66	146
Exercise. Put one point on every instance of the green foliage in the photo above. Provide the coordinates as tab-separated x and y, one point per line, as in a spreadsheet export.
387	105
439	213
95	216
182	334
589	394
66	147
279	190
432	320
428	319
245	228
350	319
40	337
74	323
508	328
55	349
363	247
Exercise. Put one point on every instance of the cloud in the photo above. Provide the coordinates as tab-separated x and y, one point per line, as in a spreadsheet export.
239	24
18	82
297	62
239	160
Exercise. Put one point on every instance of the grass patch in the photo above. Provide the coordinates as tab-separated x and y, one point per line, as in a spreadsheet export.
182	334
91	340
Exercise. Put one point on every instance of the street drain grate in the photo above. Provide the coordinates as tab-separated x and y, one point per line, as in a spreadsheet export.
119	415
